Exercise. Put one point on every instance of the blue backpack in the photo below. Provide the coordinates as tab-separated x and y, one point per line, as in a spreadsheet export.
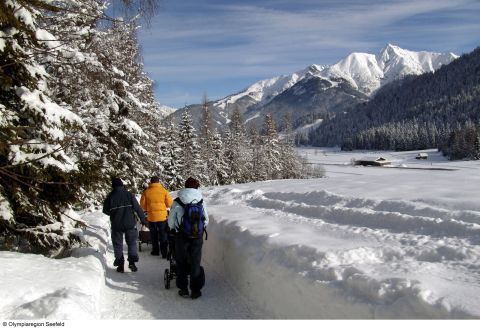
193	224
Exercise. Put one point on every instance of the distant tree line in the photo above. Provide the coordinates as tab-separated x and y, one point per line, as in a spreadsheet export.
463	143
417	112
232	156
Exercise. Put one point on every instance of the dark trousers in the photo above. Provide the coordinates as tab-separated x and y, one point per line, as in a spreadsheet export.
159	237
188	255
130	239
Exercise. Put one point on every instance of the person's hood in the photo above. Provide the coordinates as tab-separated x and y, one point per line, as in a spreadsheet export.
156	185
189	195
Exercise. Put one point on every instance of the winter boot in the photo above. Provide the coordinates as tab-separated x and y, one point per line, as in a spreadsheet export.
184	293
132	267
119	263
196	294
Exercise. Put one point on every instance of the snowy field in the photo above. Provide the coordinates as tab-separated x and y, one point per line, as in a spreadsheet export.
401	242
364	242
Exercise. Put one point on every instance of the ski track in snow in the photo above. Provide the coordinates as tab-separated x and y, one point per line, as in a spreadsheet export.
142	295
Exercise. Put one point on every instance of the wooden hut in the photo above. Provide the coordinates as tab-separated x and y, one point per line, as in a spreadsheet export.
373	161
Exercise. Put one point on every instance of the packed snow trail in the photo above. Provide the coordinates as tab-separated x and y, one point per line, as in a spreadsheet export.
142	295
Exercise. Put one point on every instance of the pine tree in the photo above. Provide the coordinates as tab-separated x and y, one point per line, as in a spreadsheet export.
271	148
476	146
288	135
170	161
258	163
236	149
206	144
104	83
36	173
219	164
190	156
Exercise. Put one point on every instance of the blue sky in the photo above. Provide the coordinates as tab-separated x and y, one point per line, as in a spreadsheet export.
220	47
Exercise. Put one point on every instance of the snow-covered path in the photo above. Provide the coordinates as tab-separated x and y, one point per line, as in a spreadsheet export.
142	295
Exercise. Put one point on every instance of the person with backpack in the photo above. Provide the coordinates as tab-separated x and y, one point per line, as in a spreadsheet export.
155	201
123	209
189	219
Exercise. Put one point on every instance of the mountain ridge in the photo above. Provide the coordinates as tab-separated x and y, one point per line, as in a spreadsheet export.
340	86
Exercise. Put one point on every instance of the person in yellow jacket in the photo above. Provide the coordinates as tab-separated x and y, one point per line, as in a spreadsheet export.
155	201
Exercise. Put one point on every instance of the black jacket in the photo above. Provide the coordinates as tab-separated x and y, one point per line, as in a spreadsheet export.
121	205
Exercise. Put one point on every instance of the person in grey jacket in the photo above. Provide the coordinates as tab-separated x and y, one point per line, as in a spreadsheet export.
188	251
121	206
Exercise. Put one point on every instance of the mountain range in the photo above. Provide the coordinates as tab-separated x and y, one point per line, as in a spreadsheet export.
432	110
310	94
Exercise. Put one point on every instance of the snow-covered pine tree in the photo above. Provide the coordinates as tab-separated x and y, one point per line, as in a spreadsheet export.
190	150
170	152
291	164
100	74
76	79
257	164
237	149
286	128
271	146
476	146
36	190
137	114
206	143
219	163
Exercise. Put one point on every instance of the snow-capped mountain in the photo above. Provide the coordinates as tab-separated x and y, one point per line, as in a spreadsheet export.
165	110
265	90
368	72
365	72
323	88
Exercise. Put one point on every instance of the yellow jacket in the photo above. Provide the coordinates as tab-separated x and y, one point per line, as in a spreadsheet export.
155	200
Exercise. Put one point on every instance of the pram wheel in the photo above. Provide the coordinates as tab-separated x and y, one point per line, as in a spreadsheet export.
166	279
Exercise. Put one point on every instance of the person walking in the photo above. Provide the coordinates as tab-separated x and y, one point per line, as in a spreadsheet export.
155	201
122	206
189	207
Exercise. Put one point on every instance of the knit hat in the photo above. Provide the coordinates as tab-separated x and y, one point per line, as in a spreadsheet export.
154	179
117	182
192	183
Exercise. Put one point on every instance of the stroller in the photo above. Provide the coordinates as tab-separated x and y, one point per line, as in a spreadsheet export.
171	272
143	237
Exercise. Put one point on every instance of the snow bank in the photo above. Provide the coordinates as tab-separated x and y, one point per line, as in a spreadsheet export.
364	243
288	280
36	287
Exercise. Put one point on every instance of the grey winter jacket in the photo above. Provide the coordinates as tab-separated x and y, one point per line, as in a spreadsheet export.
121	205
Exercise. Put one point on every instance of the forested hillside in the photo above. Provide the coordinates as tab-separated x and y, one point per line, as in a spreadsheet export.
414	113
